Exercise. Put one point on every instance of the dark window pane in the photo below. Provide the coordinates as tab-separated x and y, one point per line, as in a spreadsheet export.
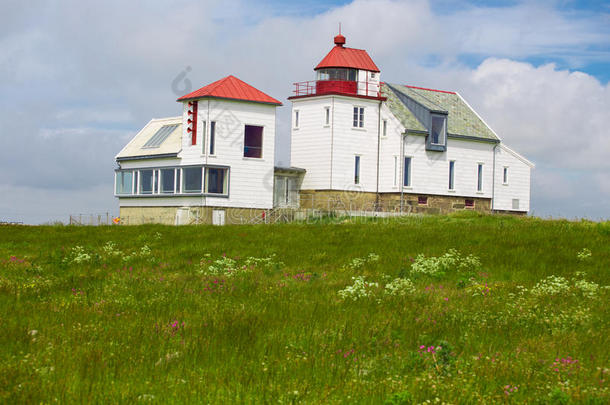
216	180
192	180
438	130
212	137
146	181
451	174
407	172
167	181
253	141
357	170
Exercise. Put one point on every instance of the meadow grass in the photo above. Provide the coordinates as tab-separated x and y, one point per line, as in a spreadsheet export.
448	309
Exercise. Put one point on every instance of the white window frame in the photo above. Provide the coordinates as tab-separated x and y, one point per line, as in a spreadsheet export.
357	169
204	131
296	119
358	123
212	141
505	175
395	182
480	169
384	128
326	116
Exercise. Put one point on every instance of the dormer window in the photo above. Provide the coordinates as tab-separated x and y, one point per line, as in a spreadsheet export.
437	140
437	130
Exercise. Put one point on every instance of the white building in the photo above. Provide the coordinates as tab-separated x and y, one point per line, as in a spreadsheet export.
212	164
367	144
356	144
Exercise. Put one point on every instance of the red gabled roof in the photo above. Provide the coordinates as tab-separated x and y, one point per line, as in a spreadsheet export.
347	57
233	89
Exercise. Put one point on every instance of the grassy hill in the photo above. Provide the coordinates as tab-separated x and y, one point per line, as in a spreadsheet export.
452	309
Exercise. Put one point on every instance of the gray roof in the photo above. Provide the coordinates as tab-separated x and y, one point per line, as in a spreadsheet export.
461	119
400	111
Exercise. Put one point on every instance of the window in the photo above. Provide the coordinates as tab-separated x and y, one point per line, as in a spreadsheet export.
422	200
191	180
146	181
253	141
505	175
515	203
124	183
161	135
384	130
468	203
357	170
437	130
407	172
451	174
372	75
203	132
327	115
167	181
296	119
155	181
337	74
480	177
213	138
216	180
395	183
358	117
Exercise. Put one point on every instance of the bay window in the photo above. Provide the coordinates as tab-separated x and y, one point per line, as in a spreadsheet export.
146	181
216	180
191	179
124	182
167	181
211	180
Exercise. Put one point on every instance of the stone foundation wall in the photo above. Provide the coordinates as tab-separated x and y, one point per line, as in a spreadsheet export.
194	215
333	200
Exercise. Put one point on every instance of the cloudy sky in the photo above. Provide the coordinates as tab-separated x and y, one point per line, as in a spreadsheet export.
79	79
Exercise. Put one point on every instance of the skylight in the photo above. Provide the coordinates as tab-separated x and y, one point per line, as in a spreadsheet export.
160	136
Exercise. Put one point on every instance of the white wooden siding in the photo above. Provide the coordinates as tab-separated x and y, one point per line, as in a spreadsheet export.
311	143
518	184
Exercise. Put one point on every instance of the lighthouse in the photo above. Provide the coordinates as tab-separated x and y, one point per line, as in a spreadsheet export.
336	123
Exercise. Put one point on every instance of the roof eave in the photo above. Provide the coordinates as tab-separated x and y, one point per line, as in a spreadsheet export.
144	157
183	99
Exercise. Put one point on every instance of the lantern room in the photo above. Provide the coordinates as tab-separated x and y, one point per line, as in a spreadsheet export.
343	71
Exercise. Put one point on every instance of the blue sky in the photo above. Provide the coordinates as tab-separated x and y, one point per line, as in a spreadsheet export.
79	79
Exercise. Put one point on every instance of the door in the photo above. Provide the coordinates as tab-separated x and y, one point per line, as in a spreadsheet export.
218	217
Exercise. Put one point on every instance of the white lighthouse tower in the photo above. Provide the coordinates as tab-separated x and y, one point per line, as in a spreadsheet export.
336	123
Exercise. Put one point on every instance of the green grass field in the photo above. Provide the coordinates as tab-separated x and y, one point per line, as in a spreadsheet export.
446	309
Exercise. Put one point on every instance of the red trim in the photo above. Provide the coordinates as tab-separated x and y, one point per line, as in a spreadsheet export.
193	128
338	94
423	88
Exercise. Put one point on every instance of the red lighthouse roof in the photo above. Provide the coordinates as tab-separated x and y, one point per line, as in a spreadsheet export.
341	57
231	88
